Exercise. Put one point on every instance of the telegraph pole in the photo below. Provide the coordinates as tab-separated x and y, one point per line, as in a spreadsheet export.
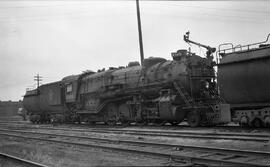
37	78
140	31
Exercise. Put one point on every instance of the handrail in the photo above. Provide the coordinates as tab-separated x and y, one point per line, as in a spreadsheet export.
234	48
224	45
238	46
248	46
217	53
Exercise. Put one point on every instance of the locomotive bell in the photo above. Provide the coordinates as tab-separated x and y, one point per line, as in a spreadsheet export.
177	56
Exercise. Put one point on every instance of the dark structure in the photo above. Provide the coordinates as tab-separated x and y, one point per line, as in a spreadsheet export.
243	79
157	91
9	108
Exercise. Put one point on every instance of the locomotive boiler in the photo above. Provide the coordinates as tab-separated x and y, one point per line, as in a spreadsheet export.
243	79
157	91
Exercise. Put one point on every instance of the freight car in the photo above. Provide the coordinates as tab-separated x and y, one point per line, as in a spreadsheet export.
243	79
157	91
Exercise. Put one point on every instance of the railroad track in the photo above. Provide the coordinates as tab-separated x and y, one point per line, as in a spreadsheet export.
183	153
223	127
171	134
4	119
179	134
10	160
13	122
220	127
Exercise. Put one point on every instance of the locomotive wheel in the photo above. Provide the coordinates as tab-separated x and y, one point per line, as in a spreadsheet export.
267	121
174	123
193	119
159	123
111	123
38	119
79	120
125	123
244	121
257	123
89	122
142	123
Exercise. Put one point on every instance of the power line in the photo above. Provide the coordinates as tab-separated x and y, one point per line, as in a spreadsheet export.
70	15
224	9
201	7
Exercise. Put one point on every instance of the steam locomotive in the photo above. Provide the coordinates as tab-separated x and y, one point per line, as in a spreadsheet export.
162	90
157	91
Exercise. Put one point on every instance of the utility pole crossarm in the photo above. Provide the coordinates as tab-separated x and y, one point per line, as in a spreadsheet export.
38	78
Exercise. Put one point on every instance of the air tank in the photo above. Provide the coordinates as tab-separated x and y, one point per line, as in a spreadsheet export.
244	76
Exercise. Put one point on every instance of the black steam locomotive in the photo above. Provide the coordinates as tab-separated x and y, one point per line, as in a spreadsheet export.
157	91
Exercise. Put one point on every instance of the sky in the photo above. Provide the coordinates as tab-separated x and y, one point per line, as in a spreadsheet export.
60	38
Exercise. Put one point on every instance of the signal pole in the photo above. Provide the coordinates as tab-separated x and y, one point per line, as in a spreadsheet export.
140	31
37	78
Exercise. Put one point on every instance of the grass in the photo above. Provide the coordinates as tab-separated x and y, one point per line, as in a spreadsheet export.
36	153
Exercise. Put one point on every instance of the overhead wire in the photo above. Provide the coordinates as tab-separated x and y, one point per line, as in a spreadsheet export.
189	6
77	14
248	18
71	16
228	9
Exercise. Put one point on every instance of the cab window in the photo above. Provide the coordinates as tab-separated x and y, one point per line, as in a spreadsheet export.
69	88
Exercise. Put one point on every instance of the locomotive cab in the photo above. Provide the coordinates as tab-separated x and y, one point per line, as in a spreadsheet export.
70	85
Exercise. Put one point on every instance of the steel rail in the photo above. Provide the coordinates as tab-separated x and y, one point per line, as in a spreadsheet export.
13	122
21	161
229	127
182	158
174	134
173	130
178	134
158	145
